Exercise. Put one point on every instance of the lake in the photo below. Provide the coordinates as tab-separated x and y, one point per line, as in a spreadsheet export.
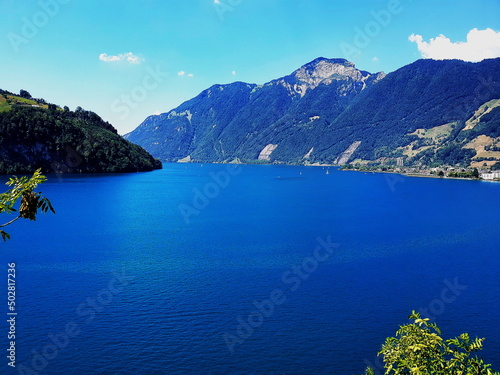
215	269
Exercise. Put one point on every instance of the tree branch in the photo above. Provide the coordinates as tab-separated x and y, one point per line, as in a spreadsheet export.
10	222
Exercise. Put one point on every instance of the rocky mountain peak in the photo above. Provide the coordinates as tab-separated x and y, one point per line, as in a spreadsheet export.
325	71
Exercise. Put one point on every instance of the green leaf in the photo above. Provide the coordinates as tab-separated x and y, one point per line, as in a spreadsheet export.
22	193
5	235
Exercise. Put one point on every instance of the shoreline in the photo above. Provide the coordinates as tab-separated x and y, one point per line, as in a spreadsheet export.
421	175
338	167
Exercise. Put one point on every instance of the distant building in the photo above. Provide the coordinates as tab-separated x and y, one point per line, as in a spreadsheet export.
400	162
491	175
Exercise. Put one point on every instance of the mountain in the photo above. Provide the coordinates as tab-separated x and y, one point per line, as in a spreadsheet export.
429	113
426	113
239	120
35	134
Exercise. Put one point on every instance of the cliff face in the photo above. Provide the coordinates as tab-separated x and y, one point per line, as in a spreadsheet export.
429	112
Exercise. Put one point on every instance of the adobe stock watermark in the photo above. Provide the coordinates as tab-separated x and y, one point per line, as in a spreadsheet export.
393	179
211	190
448	295
139	93
223	6
485	90
73	158
86	313
31	26
291	280
436	307
380	20
377	365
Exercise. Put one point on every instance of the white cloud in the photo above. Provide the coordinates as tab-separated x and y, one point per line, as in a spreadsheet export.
216	1
375	59
480	45
233	72
182	73
129	57
156	113
106	58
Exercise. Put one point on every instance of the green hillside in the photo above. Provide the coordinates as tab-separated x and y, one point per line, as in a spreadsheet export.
36	134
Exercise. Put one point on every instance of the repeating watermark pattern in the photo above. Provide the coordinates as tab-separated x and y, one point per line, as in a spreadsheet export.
377	365
291	280
380	20
485	90
123	105
393	179
139	93
41	357
31	26
211	190
223	6
72	160
448	295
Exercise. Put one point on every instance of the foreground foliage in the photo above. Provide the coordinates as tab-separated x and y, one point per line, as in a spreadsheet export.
23	190
419	349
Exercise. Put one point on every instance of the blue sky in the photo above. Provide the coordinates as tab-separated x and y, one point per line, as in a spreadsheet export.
126	60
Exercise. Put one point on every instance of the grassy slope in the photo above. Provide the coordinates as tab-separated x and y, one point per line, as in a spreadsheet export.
7	101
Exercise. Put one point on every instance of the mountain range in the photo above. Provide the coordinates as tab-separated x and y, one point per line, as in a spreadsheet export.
427	113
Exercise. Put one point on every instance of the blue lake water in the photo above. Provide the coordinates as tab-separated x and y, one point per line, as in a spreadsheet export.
232	270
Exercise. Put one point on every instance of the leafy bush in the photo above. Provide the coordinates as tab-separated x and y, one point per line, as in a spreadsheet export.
419	349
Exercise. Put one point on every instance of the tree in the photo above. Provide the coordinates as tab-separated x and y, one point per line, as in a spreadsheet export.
31	202
25	94
419	349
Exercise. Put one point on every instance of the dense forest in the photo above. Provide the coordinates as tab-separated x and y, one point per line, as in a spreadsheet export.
35	134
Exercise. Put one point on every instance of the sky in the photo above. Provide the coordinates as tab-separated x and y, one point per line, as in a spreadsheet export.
126	60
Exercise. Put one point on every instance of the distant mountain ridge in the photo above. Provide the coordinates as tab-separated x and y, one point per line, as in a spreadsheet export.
328	111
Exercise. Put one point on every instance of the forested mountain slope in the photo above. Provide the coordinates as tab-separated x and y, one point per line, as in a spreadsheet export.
426	113
35	134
